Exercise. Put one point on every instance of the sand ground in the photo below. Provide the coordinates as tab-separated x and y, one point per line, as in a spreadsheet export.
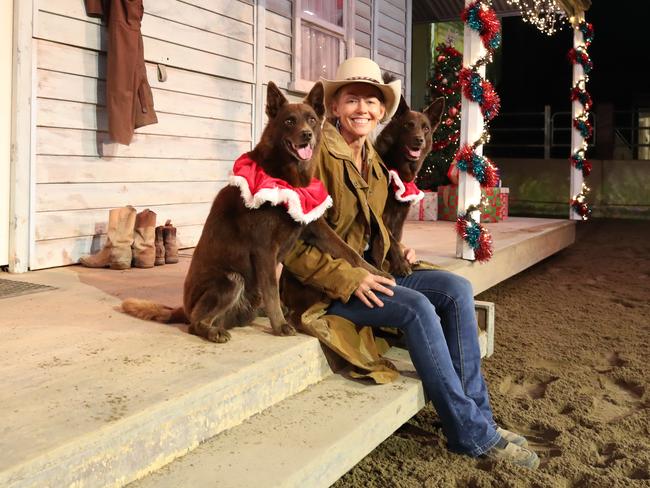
571	371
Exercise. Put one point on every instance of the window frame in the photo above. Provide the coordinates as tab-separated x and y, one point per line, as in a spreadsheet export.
344	33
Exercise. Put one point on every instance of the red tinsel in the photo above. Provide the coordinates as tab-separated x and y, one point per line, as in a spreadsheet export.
480	167
582	96
490	25
491	101
483	249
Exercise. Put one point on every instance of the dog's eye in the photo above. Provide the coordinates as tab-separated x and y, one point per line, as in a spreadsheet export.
409	125
426	129
312	120
290	122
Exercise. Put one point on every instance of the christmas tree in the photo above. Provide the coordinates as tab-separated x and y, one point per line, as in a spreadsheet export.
443	83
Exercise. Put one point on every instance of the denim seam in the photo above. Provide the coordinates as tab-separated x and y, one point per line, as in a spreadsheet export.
458	338
433	358
482	449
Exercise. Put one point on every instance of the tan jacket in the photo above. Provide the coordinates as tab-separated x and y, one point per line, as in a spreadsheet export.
358	207
129	101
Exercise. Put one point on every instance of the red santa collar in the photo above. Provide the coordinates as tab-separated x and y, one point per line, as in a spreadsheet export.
404	192
304	204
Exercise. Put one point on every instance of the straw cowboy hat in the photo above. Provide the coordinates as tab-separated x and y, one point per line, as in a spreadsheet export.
363	70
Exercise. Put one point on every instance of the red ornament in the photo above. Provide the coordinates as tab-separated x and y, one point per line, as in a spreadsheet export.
441	58
453	111
449	121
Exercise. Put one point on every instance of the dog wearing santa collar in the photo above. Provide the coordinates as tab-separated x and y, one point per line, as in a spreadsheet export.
403	145
272	198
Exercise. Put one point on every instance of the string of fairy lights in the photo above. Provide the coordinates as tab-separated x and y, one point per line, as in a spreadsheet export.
480	17
579	93
545	15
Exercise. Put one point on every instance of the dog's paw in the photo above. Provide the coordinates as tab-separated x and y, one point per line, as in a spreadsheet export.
287	330
217	334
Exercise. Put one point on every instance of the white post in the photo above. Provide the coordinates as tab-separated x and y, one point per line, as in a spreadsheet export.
6	60
21	139
576	108
471	128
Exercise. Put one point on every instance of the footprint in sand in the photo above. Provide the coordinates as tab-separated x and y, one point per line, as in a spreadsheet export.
617	400
524	386
607	454
541	440
610	361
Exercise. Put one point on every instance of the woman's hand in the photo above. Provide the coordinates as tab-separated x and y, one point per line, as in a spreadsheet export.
409	255
374	283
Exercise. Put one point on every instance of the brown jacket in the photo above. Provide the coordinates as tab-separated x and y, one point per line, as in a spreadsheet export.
358	208
129	101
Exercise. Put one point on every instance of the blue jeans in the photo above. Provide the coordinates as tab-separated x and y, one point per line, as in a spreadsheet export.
435	309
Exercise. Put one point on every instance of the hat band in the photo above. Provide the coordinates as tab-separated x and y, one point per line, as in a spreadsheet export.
366	78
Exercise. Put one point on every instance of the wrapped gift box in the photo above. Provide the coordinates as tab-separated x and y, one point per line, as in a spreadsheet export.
496	203
447	202
425	209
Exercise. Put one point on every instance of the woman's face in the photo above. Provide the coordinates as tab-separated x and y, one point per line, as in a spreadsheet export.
359	109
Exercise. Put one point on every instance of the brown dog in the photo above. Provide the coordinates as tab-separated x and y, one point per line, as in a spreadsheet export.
233	268
403	145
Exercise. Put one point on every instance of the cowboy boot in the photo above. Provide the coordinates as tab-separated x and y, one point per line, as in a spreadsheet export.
171	246
144	253
160	246
116	253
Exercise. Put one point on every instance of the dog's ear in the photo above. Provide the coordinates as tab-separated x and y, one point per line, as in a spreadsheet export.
315	99
385	140
388	77
402	108
434	112
275	100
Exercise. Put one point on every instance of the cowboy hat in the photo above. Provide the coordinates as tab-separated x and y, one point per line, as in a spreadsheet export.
363	70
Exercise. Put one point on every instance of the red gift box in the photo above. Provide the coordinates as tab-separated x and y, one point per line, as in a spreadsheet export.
425	209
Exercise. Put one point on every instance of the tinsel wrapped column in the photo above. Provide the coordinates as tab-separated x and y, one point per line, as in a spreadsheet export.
582	130
471	128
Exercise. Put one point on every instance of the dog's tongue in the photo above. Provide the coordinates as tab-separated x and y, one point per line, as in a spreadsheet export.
305	152
414	154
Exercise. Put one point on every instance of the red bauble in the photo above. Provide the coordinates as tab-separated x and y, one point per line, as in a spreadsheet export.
444	81
453	111
441	58
449	121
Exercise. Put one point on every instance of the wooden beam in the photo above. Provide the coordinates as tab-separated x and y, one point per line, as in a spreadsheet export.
21	160
409	42
471	128
576	108
260	61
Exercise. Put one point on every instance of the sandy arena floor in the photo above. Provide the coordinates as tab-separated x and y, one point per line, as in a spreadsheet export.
571	371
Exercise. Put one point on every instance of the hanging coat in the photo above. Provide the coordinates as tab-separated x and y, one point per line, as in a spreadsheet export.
129	101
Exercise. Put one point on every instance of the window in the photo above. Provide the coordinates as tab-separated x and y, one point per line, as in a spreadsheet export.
321	39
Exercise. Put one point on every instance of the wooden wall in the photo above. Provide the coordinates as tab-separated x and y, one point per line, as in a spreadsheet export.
205	109
174	167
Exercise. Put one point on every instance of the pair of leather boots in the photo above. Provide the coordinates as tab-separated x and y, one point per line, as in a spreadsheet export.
134	240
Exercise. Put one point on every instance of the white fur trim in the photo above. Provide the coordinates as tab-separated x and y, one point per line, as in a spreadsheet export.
276	196
412	199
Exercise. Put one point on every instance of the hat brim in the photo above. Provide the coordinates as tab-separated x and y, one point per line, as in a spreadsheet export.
391	92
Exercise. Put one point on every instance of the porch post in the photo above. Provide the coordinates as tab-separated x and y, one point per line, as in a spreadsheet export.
576	108
471	128
20	190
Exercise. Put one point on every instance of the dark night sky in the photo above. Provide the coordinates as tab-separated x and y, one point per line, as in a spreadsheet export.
535	70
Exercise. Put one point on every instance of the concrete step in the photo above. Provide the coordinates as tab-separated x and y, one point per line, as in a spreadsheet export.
92	397
308	440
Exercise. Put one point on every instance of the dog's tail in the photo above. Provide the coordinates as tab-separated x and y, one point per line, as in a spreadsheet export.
144	309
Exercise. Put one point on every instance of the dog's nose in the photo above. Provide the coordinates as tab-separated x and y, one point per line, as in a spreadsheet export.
306	135
419	140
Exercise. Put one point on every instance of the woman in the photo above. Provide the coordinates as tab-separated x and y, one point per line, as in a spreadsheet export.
434	308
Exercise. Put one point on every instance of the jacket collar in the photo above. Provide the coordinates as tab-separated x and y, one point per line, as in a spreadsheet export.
337	146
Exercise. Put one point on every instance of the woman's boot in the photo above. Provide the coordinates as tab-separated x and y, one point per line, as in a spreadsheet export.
171	246
144	252
116	253
160	246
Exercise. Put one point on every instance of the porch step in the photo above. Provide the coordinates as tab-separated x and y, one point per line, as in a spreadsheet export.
308	440
159	410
